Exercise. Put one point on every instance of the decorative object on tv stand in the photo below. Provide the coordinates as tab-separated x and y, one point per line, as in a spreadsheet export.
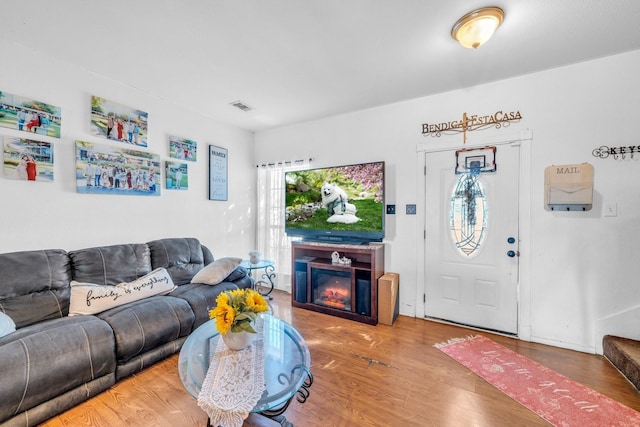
336	259
254	257
235	313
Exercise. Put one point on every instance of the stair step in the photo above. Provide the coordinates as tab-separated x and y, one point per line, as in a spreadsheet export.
624	354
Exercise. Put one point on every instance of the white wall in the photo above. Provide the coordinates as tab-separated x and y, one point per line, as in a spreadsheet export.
582	267
53	215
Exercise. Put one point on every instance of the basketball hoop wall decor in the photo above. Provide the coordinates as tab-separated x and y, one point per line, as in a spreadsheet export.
476	160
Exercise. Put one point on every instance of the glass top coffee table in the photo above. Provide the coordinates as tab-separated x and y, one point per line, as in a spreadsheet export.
287	364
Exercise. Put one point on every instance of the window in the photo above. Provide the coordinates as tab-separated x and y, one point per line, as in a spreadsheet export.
468	214
271	238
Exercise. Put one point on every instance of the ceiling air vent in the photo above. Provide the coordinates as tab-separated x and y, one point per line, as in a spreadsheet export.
241	106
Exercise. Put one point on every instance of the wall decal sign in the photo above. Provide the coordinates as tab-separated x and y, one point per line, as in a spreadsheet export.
617	153
470	123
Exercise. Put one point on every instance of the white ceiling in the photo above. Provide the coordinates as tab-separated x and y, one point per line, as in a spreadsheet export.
298	60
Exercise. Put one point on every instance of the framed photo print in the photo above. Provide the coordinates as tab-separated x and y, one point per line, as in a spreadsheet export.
176	175
28	160
218	173
107	169
118	122
183	149
28	115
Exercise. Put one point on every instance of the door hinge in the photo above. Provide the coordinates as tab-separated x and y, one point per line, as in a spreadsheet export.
425	170
424	234
424	298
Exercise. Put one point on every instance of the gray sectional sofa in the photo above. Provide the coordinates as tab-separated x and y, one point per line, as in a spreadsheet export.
54	361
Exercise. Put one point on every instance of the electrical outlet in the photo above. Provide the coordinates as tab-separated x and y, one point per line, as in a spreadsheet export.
391	209
611	209
411	209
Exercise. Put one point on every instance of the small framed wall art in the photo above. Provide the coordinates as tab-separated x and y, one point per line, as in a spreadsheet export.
218	173
176	175
183	149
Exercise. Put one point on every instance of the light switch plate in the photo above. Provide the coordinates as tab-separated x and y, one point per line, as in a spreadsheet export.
391	209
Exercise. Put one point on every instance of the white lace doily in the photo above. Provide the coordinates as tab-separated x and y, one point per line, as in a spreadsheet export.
234	382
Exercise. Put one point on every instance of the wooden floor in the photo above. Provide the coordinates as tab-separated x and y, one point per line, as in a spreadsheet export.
363	376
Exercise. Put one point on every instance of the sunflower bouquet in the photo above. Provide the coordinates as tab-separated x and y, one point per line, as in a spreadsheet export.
236	310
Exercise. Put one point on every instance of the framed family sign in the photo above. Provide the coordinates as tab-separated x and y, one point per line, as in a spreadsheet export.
218	173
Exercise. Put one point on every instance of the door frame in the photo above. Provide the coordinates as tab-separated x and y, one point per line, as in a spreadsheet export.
525	139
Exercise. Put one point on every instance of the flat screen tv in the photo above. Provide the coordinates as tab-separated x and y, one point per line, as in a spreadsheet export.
338	204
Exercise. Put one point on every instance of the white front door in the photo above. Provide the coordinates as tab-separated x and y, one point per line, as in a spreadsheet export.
471	242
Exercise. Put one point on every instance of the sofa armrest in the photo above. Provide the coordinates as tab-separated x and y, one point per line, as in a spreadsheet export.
208	256
243	282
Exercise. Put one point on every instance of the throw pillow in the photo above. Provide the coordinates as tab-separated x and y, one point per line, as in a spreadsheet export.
6	325
89	298
236	274
217	271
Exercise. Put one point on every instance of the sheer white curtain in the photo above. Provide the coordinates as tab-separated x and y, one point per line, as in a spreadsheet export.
271	238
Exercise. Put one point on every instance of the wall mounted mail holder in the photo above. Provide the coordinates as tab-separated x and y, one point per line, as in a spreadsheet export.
568	187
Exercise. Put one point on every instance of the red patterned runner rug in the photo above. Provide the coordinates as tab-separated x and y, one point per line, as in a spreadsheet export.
554	397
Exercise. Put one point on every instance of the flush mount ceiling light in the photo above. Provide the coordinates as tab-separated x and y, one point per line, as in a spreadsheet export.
476	28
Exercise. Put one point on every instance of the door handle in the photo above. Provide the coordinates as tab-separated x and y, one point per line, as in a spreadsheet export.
512	254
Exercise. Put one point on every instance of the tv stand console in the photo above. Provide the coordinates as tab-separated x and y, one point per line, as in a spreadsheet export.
344	290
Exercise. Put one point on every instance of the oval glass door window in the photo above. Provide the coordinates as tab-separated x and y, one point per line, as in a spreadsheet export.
468	214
